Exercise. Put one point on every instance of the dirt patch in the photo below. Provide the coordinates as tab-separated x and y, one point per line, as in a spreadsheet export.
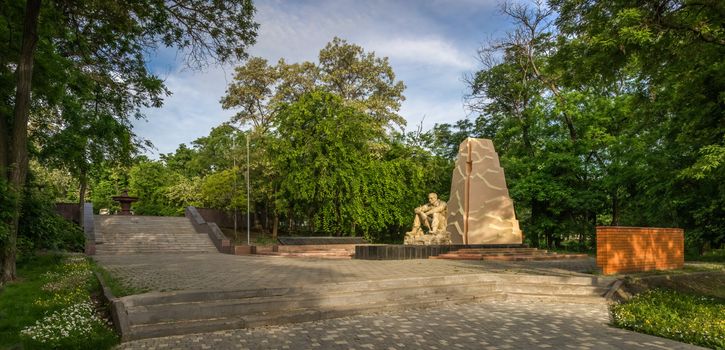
711	283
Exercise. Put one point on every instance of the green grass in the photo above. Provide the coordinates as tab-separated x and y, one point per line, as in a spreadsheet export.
714	256
25	302
117	286
688	318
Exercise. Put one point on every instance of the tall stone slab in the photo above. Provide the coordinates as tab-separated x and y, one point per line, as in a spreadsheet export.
480	210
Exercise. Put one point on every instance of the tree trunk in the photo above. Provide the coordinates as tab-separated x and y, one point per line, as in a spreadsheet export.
615	209
536	212
275	226
17	161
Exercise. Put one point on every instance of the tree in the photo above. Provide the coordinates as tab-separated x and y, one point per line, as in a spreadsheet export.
105	41
668	56
360	78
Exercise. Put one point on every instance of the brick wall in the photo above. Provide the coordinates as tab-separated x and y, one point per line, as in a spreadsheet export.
69	211
633	249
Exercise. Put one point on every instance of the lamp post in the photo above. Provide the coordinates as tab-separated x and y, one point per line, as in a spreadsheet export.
248	191
234	160
234	188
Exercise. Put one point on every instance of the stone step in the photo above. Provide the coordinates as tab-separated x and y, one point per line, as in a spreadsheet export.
357	286
133	252
289	316
168	313
519	257
499	250
545	298
153	240
118	235
553	289
162	314
315	301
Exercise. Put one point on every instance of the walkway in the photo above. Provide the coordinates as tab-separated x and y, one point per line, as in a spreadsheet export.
502	325
166	272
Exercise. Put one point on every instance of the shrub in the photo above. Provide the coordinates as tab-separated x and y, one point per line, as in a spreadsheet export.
40	224
688	318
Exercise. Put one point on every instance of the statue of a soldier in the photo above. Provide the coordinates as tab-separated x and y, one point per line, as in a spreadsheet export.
429	224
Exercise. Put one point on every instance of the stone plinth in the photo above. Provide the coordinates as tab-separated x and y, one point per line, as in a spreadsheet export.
480	210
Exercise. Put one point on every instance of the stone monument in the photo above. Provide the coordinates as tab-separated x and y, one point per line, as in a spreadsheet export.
429	224
480	210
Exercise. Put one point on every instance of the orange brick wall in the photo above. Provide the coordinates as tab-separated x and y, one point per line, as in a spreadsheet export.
632	249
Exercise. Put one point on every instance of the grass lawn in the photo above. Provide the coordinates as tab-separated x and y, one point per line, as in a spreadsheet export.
688	318
54	302
686	305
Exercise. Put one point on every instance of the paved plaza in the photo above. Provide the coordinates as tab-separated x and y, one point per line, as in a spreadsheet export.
501	325
488	325
166	272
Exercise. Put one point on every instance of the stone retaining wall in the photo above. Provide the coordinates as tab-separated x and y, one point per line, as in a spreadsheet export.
634	249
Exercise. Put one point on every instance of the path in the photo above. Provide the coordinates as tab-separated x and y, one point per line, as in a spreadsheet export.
165	272
502	325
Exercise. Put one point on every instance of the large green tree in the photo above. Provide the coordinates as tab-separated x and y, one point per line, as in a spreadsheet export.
47	44
360	78
336	180
665	63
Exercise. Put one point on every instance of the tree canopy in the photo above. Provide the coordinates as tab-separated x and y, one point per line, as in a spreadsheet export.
74	74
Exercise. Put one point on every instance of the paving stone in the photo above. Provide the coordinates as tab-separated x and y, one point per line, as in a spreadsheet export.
502	325
166	272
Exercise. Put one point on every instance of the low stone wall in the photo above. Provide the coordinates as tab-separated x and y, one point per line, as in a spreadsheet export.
634	249
223	245
406	252
223	218
304	248
293	240
89	229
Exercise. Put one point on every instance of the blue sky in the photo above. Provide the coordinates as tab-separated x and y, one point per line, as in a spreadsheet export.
431	46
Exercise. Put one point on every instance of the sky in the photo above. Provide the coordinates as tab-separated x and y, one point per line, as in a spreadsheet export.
431	45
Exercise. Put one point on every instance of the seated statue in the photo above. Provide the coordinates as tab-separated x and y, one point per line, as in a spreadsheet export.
429	224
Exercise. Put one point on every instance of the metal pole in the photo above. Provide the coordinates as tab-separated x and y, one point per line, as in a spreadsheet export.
234	191
248	189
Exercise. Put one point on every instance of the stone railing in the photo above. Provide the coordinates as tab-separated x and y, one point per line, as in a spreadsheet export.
223	245
89	228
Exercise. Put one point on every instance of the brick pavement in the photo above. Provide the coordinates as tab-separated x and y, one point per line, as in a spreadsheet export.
502	325
165	272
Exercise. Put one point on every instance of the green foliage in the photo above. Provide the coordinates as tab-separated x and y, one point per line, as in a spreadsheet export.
358	77
340	173
118	287
687	318
42	228
6	203
607	113
50	285
715	255
218	190
149	181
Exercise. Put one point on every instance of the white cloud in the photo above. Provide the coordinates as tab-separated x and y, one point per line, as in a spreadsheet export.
429	51
430	45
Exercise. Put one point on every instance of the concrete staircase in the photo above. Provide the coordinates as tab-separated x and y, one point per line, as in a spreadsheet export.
506	254
117	234
562	289
162	314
